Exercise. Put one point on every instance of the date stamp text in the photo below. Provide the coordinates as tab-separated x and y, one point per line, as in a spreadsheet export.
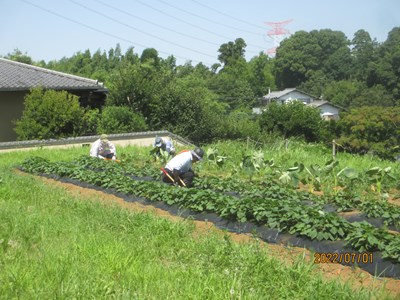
342	257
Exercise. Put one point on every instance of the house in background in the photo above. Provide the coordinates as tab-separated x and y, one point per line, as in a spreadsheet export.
286	96
16	79
328	111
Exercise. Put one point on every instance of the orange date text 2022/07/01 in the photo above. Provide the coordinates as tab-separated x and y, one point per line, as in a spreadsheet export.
342	257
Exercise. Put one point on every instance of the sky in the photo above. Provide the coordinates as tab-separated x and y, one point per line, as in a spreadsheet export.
190	30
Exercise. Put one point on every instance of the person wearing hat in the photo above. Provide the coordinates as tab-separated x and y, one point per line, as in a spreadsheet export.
165	145
103	148
179	169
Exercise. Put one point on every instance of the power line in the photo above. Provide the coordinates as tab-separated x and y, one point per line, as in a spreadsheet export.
155	24
226	15
192	25
139	30
207	19
183	21
169	29
106	33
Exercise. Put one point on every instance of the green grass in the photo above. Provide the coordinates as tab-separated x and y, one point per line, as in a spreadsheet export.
55	245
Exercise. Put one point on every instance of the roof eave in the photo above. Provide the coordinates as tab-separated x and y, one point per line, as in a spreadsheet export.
65	88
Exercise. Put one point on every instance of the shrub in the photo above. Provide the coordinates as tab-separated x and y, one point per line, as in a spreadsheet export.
49	114
371	129
120	119
292	120
91	121
238	125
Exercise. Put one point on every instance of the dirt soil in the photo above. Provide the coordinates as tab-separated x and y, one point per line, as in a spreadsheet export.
356	277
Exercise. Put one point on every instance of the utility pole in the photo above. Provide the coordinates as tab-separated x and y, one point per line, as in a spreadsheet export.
278	33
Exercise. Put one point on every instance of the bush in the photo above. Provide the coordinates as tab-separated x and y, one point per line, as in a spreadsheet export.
120	119
238	125
292	120
373	129
91	121
49	115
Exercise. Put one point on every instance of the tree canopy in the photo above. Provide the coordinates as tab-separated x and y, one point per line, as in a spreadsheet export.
210	102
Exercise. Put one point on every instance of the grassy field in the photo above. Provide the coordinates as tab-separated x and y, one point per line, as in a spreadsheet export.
56	245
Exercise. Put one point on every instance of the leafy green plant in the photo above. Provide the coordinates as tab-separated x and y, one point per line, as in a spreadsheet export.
377	177
314	177
291	175
392	249
348	178
248	166
162	157
365	237
214	158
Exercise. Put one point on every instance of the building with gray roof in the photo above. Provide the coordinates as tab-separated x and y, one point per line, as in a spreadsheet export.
16	79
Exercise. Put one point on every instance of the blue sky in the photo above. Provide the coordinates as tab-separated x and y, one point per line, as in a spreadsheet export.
191	30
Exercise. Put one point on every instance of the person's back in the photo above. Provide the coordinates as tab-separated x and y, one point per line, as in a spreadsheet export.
179	169
160	144
181	162
169	147
103	148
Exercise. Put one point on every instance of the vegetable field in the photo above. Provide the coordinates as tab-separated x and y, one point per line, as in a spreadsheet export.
304	203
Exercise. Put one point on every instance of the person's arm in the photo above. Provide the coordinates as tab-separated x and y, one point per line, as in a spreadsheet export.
170	148
175	173
113	150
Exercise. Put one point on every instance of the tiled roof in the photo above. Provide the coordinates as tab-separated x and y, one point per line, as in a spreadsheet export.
318	103
278	94
15	76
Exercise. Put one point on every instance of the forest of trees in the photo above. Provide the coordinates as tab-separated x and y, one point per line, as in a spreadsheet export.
203	103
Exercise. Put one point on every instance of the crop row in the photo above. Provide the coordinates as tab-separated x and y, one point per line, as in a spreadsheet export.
259	189
284	214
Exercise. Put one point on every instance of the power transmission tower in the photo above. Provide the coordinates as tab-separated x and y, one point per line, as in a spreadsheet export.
278	33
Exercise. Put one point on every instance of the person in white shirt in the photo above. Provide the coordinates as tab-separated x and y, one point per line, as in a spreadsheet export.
179	169
103	148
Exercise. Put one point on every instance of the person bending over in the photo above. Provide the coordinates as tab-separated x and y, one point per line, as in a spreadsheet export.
179	169
103	148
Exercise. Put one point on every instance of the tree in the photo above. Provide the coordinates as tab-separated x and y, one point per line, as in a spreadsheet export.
232	86
386	71
343	92
316	84
91	121
49	115
188	108
18	56
238	125
292	120
294	57
371	129
373	96
137	86
150	55
261	78
120	119
303	54
363	51
232	51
